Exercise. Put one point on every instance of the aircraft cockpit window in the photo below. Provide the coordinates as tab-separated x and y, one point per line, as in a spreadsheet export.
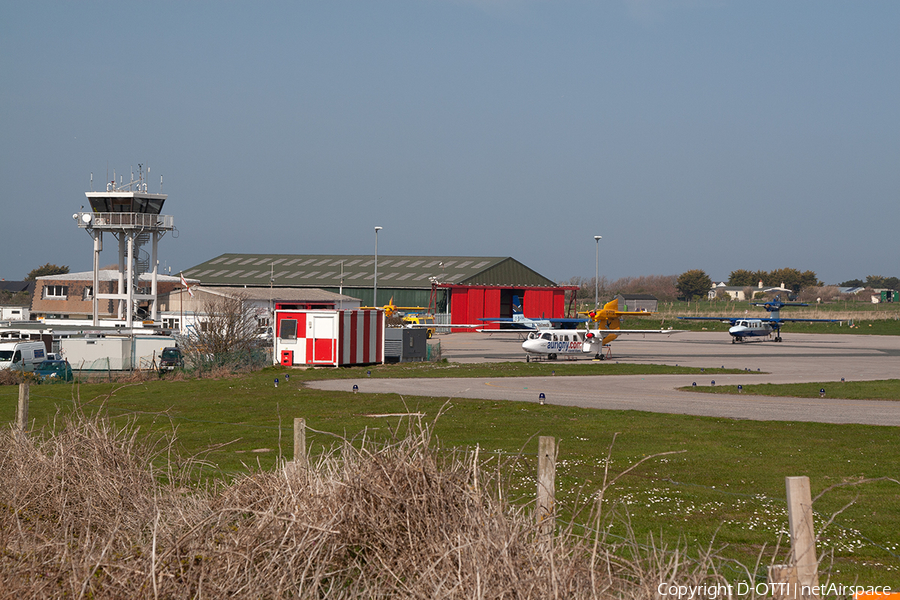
547	336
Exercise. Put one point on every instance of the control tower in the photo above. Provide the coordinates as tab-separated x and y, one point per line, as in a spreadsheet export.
134	217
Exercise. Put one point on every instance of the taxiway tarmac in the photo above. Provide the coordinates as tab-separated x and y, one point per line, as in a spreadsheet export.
799	358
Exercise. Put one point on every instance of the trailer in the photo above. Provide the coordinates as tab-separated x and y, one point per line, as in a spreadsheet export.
329	337
114	353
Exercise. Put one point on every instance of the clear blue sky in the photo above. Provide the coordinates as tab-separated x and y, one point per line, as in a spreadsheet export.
689	134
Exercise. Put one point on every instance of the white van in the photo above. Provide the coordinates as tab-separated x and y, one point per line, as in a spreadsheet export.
21	356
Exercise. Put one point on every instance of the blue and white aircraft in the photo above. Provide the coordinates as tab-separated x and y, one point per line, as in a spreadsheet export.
743	328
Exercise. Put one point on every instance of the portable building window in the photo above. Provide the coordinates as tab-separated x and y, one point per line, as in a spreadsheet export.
288	329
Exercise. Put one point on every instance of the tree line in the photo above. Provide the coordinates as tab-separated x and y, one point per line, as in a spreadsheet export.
695	283
791	279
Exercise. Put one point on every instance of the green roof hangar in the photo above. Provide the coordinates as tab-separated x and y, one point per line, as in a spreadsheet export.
467	287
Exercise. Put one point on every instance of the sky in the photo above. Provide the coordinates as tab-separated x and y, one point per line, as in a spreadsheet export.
693	134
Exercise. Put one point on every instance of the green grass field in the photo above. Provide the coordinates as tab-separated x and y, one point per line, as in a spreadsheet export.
888	389
726	488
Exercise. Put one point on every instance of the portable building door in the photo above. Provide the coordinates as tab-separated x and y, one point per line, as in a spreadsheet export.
321	339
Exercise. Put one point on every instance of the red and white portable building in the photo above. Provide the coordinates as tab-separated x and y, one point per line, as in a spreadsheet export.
329	337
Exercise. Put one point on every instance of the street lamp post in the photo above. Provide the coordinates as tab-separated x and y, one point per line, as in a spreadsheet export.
375	286
597	239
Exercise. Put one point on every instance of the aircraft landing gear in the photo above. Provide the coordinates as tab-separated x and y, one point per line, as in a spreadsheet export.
551	357
598	356
527	358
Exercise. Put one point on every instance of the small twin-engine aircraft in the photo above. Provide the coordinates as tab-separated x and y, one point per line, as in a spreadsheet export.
743	328
554	342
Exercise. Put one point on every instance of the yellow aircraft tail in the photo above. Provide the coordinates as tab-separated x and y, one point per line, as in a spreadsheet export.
609	317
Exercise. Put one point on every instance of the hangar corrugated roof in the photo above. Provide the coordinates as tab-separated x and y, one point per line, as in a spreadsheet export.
399	272
278	294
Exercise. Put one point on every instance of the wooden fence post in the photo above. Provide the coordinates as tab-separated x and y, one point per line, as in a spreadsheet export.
22	410
546	484
300	458
782	580
803	535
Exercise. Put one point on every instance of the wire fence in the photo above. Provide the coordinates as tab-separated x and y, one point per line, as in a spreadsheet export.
250	359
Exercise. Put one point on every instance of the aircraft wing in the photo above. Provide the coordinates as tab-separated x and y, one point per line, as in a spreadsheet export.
624	331
515	328
731	320
438	325
528	324
782	320
525	321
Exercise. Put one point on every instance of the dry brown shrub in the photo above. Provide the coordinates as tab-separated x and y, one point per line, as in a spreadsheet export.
11	377
95	511
814	295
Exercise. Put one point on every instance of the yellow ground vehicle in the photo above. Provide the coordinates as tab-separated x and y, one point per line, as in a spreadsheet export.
414	320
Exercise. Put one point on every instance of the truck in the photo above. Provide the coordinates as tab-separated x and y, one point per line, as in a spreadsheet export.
420	320
22	355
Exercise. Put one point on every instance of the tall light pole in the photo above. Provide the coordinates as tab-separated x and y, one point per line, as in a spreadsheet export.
375	286
341	286
597	239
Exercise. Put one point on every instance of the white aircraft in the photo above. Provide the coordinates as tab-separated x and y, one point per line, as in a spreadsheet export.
741	329
569	342
552	343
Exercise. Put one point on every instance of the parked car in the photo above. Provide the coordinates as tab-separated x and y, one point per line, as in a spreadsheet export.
53	371
171	359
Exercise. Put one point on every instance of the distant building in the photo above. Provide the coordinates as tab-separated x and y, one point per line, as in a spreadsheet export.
14	299
181	310
743	292
70	296
14	287
730	292
646	302
14	313
851	290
